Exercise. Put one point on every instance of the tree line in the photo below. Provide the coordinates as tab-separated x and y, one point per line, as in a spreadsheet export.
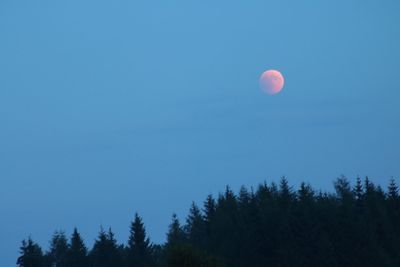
272	225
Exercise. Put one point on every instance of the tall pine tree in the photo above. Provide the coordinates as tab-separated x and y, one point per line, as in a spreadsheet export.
105	252
57	254
175	235
31	254
139	247
77	252
195	226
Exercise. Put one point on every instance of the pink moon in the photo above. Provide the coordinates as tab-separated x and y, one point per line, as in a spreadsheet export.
271	82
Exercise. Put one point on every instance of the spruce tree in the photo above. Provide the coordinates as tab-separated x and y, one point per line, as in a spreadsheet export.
57	254
225	233
369	187
393	190
31	254
105	252
358	189
209	209
139	247
175	235
343	190
285	196
195	226
77	252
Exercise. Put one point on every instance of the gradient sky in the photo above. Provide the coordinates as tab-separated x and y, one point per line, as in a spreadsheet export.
112	107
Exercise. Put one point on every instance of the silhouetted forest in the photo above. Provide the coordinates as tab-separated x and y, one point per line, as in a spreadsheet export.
273	225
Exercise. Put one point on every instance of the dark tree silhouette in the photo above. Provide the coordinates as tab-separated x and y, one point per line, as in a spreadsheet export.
175	235
31	254
139	247
195	226
77	252
57	255
271	226
105	252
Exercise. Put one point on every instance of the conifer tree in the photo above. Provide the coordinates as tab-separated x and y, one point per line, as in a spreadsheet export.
243	197
105	252
209	209
195	226
77	252
369	187
393	190
343	189
285	193
31	254
57	254
175	235
139	247
306	194
358	189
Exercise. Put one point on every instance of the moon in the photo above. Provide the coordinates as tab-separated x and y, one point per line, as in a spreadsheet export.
271	82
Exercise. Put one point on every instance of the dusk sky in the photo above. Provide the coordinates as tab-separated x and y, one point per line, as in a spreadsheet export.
113	107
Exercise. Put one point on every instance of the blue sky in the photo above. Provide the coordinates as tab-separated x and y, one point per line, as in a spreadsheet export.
112	107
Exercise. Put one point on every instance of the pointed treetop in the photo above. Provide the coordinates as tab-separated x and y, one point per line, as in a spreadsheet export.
393	189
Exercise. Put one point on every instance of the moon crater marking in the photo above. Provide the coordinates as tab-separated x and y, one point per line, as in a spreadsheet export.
271	82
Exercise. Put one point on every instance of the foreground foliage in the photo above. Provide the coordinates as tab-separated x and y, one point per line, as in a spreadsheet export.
271	226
